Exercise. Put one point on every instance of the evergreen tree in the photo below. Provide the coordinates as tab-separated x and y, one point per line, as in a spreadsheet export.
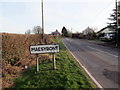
113	23
64	32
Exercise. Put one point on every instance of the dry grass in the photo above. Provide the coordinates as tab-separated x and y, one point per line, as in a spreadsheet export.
16	55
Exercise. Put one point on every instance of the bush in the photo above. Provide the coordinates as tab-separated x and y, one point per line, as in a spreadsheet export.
15	52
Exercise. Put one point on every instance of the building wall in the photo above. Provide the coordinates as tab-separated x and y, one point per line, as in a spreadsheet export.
88	30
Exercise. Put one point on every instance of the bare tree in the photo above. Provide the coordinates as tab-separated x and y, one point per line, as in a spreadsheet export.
37	30
28	31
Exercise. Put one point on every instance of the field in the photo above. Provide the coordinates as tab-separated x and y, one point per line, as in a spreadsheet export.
16	56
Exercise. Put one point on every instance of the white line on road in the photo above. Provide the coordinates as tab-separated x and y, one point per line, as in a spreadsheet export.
94	80
102	51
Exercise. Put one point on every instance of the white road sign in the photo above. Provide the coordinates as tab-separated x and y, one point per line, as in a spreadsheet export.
39	49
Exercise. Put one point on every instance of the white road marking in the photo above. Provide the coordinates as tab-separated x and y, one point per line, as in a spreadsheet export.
102	51
92	78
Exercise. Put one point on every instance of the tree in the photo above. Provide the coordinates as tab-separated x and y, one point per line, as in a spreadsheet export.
37	30
64	32
113	24
69	33
28	31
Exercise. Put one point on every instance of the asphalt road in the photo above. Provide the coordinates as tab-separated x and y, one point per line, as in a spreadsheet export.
100	61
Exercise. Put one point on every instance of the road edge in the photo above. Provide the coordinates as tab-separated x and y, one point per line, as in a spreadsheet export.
89	74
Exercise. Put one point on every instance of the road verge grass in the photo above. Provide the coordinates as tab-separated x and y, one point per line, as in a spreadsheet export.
67	75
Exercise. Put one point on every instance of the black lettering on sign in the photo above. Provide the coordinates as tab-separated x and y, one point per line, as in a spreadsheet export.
38	49
47	48
56	47
32	49
35	49
42	48
50	48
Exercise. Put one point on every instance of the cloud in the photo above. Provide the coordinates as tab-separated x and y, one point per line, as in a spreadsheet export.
56	0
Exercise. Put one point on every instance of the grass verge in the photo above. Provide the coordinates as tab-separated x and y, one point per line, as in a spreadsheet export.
67	75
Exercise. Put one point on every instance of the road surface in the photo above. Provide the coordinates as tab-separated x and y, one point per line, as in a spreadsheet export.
100	61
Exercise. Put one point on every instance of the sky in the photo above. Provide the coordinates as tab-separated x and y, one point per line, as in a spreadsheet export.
17	16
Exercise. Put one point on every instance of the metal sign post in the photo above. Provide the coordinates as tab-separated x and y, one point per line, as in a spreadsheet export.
54	62
37	62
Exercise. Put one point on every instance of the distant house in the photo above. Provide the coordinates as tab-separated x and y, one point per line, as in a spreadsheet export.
87	31
56	33
106	32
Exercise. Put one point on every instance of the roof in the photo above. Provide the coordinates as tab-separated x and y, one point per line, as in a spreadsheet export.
56	32
105	28
102	29
88	30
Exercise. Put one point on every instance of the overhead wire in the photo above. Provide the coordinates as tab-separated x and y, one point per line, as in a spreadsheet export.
96	17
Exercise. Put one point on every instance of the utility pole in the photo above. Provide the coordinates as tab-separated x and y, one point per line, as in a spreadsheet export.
71	33
116	23
42	21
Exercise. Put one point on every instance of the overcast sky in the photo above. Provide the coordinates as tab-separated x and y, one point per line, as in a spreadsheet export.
17	16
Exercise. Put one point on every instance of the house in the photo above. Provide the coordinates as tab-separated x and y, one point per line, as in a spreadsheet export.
87	31
106	32
56	33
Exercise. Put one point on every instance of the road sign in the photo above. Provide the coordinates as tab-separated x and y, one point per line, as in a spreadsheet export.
41	49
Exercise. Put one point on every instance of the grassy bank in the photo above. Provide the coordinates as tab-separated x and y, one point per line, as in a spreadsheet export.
67	75
16	55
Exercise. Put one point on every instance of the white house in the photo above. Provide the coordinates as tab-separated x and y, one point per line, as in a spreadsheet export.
107	32
87	31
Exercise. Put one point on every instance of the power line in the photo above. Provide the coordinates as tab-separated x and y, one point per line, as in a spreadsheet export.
102	11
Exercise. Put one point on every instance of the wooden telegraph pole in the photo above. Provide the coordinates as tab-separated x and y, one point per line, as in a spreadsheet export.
42	21
117	22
